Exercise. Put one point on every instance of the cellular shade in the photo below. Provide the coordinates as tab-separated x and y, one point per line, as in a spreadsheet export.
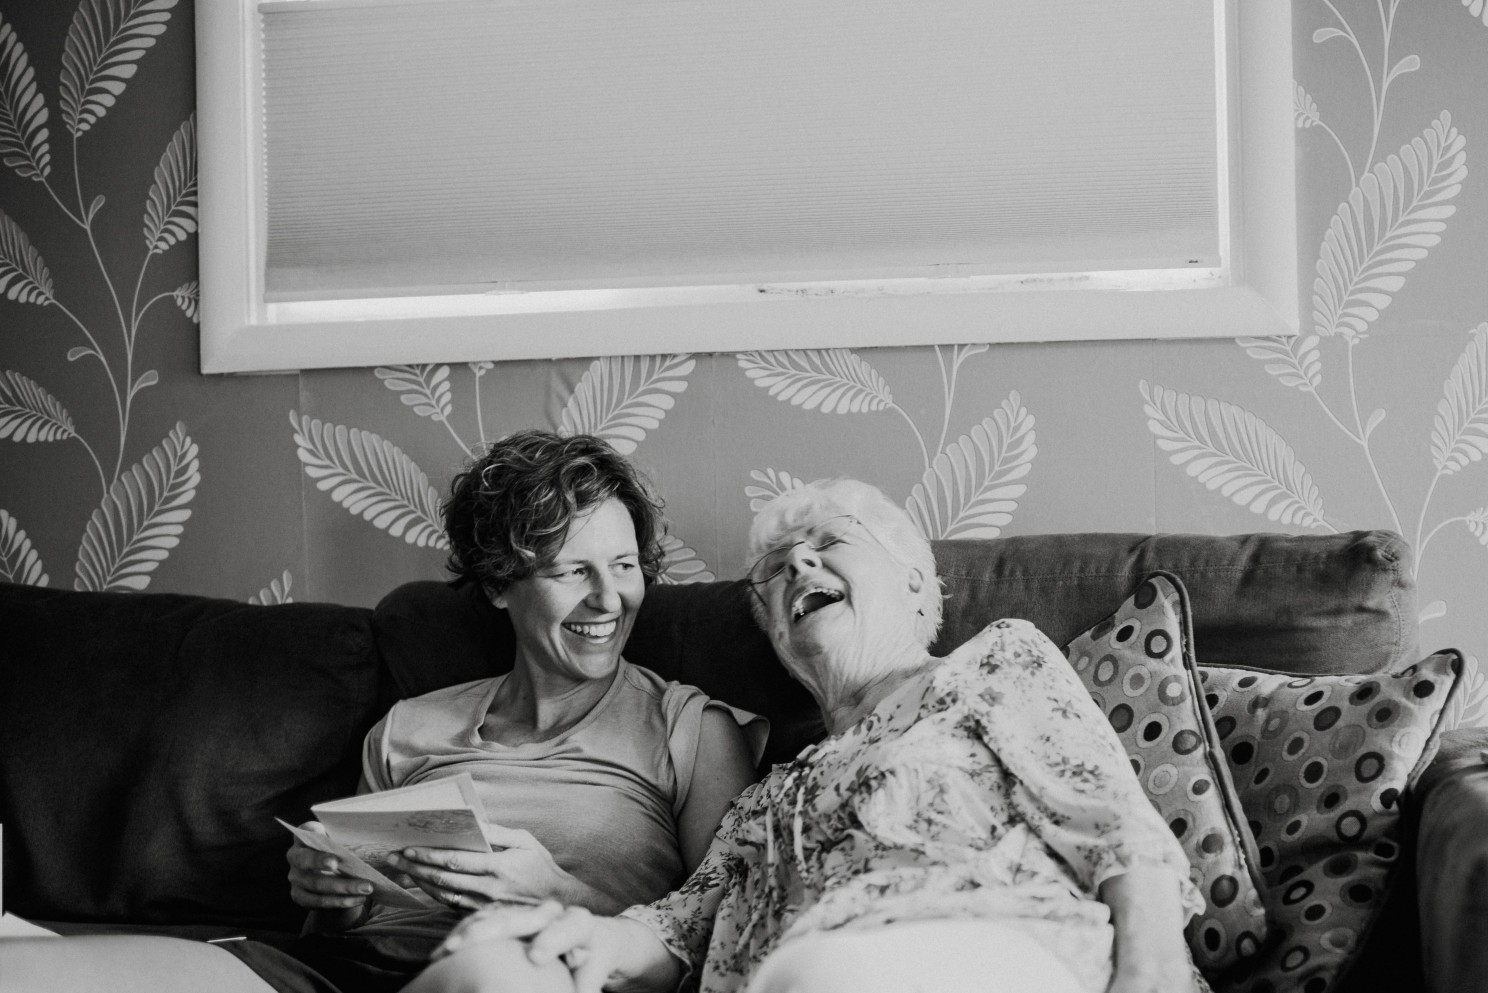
418	146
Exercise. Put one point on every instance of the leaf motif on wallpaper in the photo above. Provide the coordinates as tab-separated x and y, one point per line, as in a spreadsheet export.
1432	610
141	518
1304	108
1229	449
1387	224
622	397
1469	705
776	482
147	379
681	564
1477	8
19	562
170	209
29	413
23	275
832	380
371	478
425	388
1294	361
25	141
1459	433
1477	523
276	592
969	491
104	42
188	298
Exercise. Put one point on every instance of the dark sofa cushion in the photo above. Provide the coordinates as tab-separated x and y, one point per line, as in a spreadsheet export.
148	741
1453	862
1309	604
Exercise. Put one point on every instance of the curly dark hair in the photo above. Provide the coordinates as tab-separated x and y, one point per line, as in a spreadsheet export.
509	510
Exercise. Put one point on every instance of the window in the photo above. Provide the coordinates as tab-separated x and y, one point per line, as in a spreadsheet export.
390	181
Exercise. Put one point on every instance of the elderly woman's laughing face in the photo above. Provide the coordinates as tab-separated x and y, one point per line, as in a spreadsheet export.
831	594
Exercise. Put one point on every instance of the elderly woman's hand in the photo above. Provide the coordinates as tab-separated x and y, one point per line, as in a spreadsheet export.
595	950
518	869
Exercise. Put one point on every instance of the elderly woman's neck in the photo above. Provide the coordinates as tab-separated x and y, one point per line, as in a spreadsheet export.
844	703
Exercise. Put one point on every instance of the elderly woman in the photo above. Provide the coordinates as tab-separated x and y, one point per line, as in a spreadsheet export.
606	782
969	823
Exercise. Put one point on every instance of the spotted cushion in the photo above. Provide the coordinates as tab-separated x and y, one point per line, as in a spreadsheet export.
1138	665
1320	763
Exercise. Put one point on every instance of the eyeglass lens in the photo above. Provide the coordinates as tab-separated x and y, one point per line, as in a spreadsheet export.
828	532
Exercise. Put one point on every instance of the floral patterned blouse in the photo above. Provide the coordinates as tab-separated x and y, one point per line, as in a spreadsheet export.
990	787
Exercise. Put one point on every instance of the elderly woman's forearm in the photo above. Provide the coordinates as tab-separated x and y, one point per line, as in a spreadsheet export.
1148	917
645	964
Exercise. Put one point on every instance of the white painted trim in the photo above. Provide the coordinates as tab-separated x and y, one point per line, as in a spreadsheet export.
240	333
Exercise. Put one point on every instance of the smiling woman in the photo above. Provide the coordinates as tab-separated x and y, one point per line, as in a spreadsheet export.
603	784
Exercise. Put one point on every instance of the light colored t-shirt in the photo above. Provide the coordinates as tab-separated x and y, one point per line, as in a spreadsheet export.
603	798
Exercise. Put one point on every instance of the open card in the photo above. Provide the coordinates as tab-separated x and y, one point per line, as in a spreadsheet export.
440	813
362	830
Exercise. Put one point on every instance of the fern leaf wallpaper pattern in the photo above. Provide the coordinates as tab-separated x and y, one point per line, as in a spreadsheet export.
122	467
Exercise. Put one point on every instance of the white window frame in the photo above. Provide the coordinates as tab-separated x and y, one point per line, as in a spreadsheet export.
1254	292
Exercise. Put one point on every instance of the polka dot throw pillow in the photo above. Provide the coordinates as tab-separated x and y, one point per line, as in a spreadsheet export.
1320	764
1138	665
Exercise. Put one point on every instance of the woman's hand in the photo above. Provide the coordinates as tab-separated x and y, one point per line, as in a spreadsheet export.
519	869
316	880
336	900
596	950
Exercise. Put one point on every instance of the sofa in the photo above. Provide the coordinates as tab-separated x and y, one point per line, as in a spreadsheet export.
148	741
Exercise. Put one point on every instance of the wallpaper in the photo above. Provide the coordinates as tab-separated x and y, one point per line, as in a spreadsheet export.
122	467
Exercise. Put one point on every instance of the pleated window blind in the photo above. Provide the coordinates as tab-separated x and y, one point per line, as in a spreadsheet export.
465	144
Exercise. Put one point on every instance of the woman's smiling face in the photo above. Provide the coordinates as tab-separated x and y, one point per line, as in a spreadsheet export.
573	615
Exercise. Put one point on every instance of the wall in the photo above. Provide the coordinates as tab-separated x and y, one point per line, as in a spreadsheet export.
122	467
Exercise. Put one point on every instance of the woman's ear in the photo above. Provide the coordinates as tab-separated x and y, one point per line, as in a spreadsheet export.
916	579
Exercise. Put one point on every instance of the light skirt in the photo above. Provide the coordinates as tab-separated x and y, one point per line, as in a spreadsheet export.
934	956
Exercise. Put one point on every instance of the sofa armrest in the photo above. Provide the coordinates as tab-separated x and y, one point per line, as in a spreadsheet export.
1452	863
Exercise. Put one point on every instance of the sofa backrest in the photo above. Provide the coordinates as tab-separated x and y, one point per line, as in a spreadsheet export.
1303	603
148	741
1310	603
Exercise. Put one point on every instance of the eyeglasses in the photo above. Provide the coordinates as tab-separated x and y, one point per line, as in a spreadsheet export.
771	564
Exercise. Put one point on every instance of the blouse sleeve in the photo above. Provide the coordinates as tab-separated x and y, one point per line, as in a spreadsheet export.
684	918
1072	780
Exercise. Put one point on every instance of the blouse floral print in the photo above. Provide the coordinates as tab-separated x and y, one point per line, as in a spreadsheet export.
990	787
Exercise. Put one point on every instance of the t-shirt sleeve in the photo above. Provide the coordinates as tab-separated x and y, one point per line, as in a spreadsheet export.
376	755
1073	782
683	706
